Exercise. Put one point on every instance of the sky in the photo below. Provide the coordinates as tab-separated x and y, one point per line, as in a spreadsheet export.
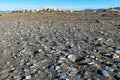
57	4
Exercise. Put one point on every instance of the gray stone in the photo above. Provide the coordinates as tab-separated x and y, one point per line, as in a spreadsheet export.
118	65
25	70
117	77
109	68
90	63
28	77
117	51
104	73
78	77
39	51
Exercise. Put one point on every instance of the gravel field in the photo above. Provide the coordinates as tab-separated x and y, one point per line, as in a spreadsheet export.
60	46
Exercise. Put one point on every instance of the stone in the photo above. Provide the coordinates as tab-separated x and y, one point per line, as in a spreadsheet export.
64	67
25	70
106	62
104	73
28	77
117	76
109	42
4	71
86	74
39	51
73	70
4	76
118	65
84	61
90	63
57	67
96	66
115	56
109	68
117	51
101	43
78	77
72	58
61	60
116	71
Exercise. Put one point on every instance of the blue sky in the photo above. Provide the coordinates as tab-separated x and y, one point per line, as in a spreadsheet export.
61	4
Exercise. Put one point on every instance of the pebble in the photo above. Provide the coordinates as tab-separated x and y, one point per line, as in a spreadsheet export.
73	71
118	65
117	76
61	60
107	62
64	67
78	77
4	76
72	58
109	68
28	77
115	56
117	51
38	51
104	73
25	70
90	63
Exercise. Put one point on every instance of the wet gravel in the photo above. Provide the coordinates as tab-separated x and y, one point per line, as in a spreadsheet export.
60	46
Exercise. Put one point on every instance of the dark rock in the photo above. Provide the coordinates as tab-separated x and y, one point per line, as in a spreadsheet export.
117	77
115	71
118	65
104	73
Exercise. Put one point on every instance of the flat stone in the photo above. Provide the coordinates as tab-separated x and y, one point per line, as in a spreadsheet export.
90	63
117	51
4	76
28	77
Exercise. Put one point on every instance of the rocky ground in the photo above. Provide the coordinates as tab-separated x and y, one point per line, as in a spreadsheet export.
60	46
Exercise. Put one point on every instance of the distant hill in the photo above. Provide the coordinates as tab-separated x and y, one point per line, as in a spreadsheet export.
101	9
118	8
